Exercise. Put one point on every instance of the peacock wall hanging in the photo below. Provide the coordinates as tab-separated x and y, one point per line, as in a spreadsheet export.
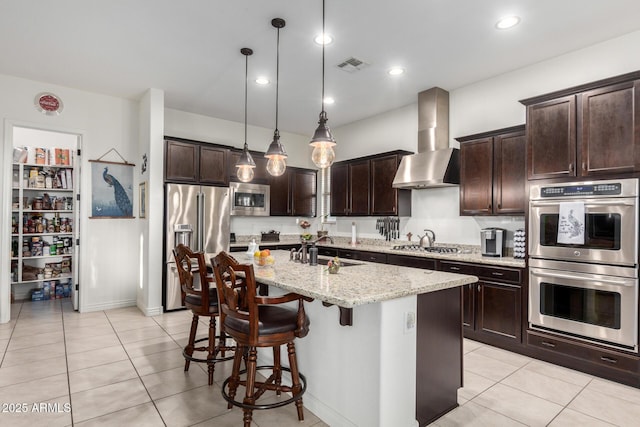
111	188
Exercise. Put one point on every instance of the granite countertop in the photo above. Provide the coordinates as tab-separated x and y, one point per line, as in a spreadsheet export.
362	283
470	253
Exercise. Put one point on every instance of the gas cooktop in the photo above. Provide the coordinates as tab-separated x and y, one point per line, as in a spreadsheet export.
433	249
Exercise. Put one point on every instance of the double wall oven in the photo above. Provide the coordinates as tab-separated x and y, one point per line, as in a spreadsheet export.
583	261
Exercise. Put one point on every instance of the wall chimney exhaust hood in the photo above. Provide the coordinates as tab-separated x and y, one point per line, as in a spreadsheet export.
435	164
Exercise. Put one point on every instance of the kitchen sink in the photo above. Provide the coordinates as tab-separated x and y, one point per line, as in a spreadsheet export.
343	263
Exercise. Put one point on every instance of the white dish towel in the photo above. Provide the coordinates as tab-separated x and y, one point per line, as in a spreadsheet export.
571	223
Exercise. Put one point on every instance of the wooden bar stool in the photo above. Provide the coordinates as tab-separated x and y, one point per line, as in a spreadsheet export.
199	296
258	321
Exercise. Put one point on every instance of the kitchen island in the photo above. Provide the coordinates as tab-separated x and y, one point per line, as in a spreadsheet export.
402	357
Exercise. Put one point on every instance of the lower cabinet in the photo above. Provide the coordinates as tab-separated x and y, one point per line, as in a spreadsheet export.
493	308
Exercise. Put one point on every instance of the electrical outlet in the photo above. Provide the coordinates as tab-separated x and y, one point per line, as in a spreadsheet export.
409	321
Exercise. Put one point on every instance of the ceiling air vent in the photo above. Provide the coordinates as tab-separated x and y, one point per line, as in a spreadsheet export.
352	64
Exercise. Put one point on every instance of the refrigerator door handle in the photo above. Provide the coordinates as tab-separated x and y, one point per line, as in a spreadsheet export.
199	221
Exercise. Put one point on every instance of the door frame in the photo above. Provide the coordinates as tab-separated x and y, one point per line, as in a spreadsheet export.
5	210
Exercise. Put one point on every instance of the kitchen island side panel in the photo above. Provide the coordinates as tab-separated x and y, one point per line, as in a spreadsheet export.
438	353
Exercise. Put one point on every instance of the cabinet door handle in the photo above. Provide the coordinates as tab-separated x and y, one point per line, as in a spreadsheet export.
570	167
548	344
479	287
609	359
499	205
584	166
489	206
454	268
495	273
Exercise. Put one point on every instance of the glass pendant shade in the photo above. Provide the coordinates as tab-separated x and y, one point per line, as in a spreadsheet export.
323	143
277	163
245	166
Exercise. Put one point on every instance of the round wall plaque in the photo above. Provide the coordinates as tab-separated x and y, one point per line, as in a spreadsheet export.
48	103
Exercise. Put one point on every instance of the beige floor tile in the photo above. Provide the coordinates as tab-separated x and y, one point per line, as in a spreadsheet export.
30	341
172	381
110	398
33	354
619	391
38	390
231	418
157	362
144	415
470	345
50	413
5	333
487	367
123	324
606	408
508	357
473	385
545	387
3	345
559	372
571	418
141	334
473	415
78	333
18	374
81	345
520	406
96	357
285	416
21	330
102	375
147	347
192	407
184	328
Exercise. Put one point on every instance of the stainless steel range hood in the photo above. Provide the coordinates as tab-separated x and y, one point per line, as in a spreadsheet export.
435	164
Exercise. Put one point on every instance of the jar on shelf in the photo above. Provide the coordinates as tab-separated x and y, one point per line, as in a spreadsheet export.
37	203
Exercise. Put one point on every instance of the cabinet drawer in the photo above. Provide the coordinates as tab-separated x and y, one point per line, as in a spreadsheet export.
501	274
456	267
584	351
327	251
373	257
411	261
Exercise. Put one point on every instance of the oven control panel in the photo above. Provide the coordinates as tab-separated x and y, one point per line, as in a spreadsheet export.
608	189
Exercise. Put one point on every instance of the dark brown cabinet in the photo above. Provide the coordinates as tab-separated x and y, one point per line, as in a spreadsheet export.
363	187
585	131
492	178
294	193
492	307
193	162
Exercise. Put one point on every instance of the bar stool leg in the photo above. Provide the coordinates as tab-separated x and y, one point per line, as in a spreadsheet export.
251	381
212	348
295	378
277	371
235	375
192	338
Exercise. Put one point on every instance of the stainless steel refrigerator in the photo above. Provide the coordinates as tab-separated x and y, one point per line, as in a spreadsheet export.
197	216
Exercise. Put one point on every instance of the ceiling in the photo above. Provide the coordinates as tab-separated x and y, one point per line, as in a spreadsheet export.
191	49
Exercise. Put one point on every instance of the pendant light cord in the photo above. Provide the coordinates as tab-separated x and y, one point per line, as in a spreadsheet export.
246	79
277	74
323	43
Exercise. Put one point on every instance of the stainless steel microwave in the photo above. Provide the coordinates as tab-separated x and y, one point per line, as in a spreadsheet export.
249	199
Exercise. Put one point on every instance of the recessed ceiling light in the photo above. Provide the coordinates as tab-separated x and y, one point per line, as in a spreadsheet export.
329	100
507	22
395	71
326	39
262	81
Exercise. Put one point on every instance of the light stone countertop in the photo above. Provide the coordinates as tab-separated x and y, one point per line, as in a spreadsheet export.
364	283
472	253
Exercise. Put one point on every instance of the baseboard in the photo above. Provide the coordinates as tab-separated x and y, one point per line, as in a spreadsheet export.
108	306
151	311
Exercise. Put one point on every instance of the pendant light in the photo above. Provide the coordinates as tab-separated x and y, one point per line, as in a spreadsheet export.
245	165
277	163
322	141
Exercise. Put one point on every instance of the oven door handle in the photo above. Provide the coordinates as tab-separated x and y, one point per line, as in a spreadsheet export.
546	273
609	202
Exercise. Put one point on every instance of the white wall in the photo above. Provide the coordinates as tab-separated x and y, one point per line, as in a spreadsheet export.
109	269
482	106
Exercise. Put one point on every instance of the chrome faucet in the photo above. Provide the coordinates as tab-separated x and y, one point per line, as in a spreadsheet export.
323	237
430	236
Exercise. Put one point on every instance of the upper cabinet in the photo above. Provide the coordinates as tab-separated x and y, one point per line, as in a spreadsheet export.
294	193
585	131
192	162
362	187
492	178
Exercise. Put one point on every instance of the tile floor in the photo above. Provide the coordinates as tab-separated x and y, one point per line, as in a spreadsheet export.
120	368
